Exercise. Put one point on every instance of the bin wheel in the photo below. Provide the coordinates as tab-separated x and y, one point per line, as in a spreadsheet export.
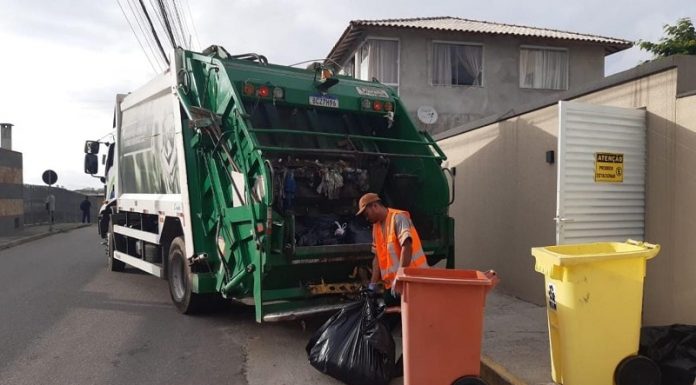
469	380
637	370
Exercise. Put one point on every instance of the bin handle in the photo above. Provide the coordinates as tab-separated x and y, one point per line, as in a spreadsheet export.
640	243
493	276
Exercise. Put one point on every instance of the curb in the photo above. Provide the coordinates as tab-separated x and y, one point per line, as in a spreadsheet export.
35	237
495	374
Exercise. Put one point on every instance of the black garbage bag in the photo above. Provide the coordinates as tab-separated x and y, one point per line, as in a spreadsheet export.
673	348
317	231
354	345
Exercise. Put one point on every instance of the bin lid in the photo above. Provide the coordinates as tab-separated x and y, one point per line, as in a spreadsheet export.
445	276
565	255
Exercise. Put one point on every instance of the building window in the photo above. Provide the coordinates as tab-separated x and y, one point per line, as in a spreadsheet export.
348	69
379	59
457	64
543	68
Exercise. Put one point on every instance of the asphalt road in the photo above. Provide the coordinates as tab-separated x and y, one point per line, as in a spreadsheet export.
64	319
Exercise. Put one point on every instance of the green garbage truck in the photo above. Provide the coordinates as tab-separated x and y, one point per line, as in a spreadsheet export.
235	178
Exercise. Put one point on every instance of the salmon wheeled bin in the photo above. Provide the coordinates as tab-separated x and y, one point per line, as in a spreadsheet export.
442	320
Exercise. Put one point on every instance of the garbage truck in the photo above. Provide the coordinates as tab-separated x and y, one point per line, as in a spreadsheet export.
234	178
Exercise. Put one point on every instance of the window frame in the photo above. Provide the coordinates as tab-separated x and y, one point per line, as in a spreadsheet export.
356	55
453	42
543	48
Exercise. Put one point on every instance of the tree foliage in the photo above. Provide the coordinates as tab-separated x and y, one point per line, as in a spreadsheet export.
679	39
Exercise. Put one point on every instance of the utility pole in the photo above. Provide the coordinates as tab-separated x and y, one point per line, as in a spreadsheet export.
50	177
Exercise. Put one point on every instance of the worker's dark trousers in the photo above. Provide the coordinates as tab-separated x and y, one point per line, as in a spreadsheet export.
85	217
392	320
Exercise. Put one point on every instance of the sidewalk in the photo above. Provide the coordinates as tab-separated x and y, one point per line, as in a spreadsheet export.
31	233
515	342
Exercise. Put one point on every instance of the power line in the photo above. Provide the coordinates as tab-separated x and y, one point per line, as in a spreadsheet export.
182	23
139	19
160	22
166	22
193	25
136	36
178	35
159	44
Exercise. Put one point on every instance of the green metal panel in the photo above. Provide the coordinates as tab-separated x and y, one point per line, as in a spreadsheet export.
249	243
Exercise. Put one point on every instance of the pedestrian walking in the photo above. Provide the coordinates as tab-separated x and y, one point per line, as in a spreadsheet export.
51	207
85	206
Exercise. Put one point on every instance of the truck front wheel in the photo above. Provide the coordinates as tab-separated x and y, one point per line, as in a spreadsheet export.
180	277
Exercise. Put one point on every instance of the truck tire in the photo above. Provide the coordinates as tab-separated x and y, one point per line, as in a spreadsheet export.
180	277
112	264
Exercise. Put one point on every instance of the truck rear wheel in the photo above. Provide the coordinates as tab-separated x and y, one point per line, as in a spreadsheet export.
112	264
180	277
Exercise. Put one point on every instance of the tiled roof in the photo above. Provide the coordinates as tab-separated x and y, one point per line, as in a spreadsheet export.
456	24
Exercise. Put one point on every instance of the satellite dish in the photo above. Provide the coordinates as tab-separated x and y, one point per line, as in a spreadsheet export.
427	114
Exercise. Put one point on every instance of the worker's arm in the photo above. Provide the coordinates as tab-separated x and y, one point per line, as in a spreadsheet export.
406	253
375	271
402	227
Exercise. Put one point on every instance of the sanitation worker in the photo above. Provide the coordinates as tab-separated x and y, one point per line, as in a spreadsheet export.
395	243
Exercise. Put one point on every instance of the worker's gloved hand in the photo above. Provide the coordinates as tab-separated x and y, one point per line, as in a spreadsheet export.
394	290
372	287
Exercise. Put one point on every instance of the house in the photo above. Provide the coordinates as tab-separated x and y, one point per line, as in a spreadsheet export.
450	71
517	197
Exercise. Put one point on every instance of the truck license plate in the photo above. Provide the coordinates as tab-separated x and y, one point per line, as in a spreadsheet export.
323	101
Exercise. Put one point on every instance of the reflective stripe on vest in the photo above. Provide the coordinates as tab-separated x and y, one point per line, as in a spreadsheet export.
388	248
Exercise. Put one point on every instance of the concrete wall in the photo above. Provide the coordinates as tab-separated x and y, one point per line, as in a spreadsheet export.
683	289
506	194
505	198
67	205
500	92
11	206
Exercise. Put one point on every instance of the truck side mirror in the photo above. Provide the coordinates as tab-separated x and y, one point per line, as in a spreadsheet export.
91	147
91	164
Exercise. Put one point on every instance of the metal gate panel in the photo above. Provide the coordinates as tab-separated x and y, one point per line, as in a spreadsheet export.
589	211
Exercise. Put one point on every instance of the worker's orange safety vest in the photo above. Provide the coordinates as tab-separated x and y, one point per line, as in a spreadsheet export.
388	248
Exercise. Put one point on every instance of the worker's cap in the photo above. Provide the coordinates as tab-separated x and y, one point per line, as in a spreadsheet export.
366	200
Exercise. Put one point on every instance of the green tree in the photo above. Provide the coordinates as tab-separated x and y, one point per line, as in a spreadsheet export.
679	39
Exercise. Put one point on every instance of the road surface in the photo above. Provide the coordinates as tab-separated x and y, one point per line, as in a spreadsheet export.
64	319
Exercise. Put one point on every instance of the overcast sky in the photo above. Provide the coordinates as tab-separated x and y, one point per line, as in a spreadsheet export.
62	62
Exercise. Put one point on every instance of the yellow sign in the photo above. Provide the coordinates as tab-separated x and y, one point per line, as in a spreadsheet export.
609	167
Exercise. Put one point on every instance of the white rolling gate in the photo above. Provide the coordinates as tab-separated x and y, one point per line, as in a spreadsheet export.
601	173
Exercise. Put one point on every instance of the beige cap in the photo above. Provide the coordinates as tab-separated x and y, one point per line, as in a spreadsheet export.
366	200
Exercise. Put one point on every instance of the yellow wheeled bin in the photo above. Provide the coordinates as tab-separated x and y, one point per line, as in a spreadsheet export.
594	296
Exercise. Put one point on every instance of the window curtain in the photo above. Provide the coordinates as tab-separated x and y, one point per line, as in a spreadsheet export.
364	61
379	59
442	64
456	64
545	69
349	68
468	59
